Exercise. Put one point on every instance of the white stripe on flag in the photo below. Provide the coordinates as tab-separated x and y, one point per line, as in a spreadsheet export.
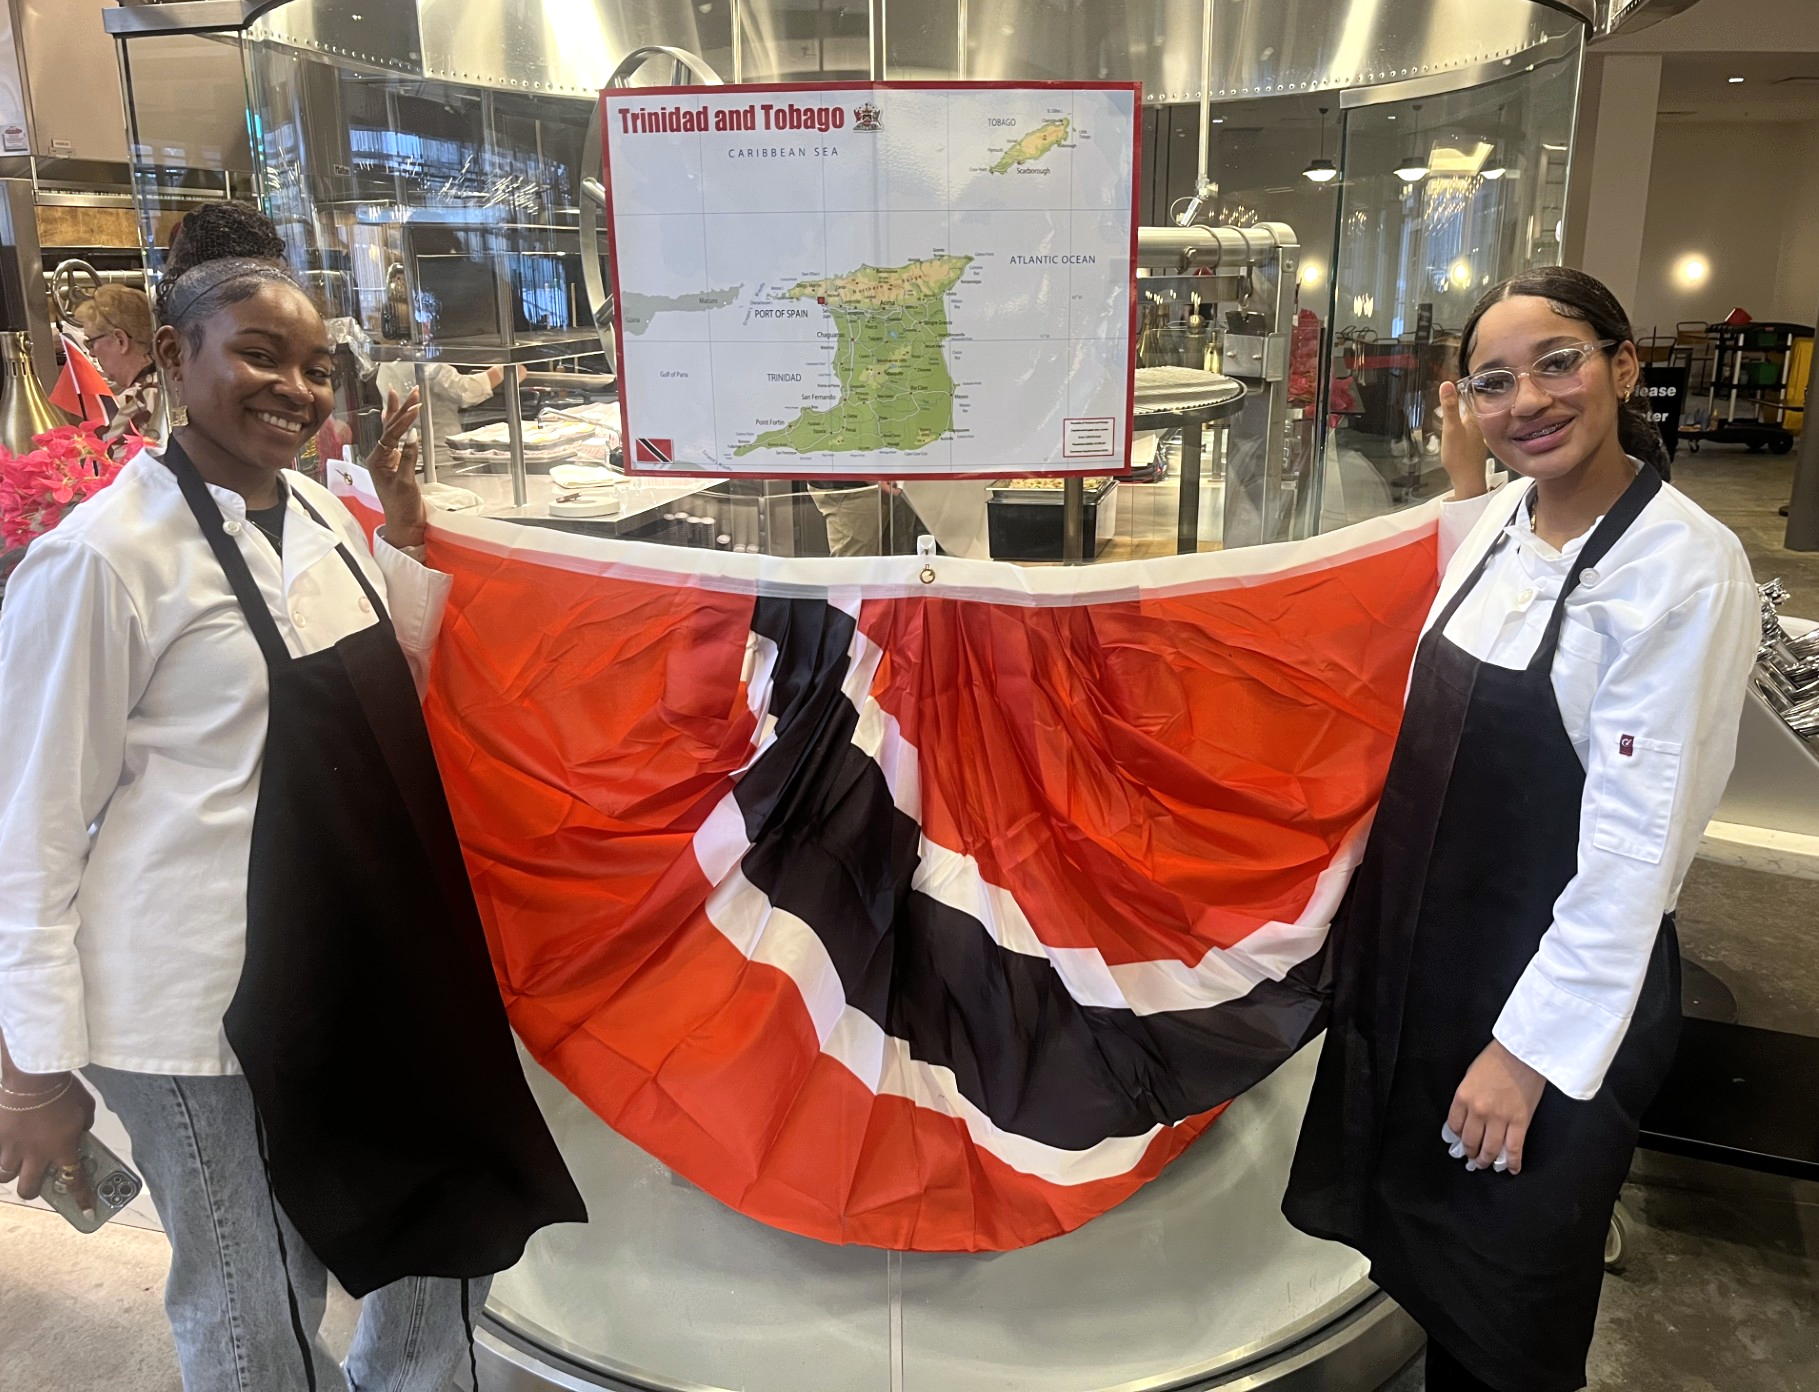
748	920
744	915
1268	953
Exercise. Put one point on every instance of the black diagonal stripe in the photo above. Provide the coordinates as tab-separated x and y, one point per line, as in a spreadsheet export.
830	847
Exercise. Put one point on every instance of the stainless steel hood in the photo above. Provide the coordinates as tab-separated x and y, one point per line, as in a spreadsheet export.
1258	48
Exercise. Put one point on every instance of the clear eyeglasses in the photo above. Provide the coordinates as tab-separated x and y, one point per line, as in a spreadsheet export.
1556	373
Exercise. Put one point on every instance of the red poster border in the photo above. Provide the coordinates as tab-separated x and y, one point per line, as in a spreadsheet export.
629	445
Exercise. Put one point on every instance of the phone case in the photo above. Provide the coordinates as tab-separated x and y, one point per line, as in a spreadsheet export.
115	1186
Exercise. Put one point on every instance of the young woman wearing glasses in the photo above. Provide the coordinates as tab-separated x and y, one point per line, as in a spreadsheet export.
1505	977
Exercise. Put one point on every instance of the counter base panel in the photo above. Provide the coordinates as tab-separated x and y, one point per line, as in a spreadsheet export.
1360	1350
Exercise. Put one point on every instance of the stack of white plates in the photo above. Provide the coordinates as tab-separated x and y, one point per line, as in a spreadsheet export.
543	444
583	490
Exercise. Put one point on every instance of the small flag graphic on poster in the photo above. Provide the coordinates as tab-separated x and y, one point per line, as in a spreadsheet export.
652	450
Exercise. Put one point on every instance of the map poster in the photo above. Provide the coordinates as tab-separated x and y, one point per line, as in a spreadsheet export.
891	280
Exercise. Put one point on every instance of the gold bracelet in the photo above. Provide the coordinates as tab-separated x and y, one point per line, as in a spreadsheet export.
12	1091
40	1106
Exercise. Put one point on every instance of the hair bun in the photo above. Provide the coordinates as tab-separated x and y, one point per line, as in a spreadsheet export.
217	232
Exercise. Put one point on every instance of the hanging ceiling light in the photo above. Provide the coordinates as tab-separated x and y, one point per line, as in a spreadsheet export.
1413	168
1322	170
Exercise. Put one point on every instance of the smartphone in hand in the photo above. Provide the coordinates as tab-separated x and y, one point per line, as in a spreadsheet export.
113	1185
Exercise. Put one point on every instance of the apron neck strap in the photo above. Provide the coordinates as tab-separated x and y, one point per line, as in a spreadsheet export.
239	576
1616	522
1470	582
353	565
207	513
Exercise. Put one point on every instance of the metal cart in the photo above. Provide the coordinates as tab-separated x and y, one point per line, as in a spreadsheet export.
1747	400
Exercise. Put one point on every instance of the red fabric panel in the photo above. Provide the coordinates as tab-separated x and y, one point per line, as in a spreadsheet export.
1162	775
584	727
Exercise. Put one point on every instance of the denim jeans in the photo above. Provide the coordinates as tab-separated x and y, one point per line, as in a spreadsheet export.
195	1142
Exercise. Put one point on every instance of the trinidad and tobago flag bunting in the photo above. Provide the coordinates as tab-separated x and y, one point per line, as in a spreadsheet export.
936	915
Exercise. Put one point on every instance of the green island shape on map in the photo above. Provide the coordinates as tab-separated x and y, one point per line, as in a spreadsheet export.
895	388
1033	146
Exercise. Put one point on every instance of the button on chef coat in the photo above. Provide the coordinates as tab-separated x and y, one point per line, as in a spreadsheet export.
1650	676
133	704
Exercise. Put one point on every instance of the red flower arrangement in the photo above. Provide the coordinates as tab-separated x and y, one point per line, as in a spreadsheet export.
38	488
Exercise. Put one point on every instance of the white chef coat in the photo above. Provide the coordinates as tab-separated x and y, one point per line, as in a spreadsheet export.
1650	676
450	390
133	708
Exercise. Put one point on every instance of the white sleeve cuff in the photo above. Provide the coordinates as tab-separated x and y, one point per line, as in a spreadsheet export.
42	1018
1565	1038
1457	518
415	594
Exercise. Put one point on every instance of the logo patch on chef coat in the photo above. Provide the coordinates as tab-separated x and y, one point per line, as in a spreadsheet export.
1626	746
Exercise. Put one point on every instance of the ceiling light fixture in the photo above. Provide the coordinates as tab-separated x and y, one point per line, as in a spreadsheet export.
1692	271
1322	170
1734	80
1414	168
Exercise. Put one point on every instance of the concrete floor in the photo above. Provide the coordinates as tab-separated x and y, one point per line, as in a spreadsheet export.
1721	1293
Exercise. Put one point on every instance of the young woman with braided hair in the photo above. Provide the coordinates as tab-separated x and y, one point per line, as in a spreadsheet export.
231	898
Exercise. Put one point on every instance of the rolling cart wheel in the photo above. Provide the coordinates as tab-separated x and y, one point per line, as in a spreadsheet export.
1617	1240
1784	444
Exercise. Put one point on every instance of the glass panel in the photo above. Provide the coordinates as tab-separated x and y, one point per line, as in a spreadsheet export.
1257	154
1479	197
440	226
175	165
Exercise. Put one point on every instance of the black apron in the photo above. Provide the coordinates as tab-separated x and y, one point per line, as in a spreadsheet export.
400	1135
1476	837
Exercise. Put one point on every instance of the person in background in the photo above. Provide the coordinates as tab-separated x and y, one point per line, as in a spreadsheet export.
116	325
852	510
1505	977
231	897
450	392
